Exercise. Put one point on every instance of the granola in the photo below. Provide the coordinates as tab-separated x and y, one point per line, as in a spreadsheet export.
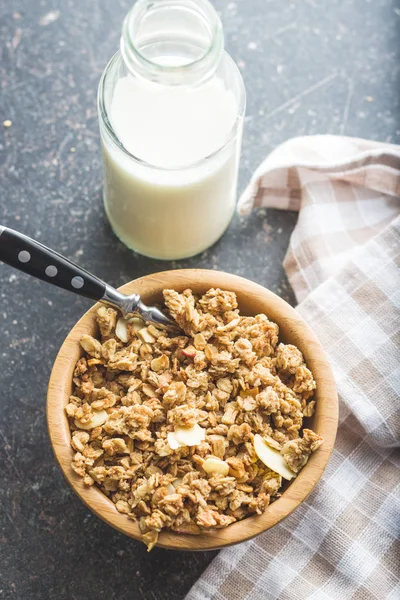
190	432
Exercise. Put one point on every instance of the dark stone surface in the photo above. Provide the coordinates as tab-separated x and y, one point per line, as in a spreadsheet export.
310	66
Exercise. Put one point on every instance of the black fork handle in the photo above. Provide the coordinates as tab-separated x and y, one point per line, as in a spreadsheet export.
31	257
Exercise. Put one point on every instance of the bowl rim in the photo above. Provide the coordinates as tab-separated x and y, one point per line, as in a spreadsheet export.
59	389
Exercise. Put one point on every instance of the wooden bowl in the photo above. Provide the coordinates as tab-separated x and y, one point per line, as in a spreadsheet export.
253	299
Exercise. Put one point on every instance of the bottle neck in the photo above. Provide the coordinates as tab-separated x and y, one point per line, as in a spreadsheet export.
172	42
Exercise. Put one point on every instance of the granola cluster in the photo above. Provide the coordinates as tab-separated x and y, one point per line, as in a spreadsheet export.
165	424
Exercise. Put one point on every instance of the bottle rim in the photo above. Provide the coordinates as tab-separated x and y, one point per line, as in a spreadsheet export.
195	70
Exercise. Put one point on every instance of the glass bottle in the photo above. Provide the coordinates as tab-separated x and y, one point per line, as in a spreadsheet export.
171	107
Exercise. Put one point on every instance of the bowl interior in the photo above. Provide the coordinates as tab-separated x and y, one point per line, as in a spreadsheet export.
253	299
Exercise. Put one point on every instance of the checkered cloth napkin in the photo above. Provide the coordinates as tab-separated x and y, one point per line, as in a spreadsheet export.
343	264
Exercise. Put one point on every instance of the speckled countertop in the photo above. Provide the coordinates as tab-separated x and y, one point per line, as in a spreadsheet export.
310	66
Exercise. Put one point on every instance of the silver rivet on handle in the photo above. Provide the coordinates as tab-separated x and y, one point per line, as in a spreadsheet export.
51	271
24	256
77	283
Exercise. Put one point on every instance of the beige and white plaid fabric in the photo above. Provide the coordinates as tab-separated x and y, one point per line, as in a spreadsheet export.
343	264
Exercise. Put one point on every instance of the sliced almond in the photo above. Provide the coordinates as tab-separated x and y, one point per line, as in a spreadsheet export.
146	336
190	436
215	465
98	419
199	341
121	330
190	352
231	325
272	458
136	323
161	363
177	482
171	489
173	442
